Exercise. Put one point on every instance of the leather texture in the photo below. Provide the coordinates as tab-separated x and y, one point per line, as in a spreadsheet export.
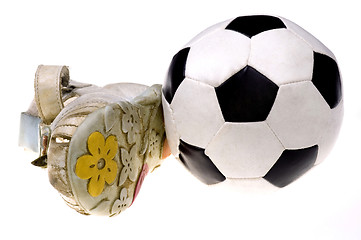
277	88
49	81
71	111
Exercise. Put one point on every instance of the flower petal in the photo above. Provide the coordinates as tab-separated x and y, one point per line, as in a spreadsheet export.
123	176
85	167
110	171
133	173
124	156
96	185
145	144
111	148
126	123
121	204
116	207
133	151
123	194
96	143
131	136
136	121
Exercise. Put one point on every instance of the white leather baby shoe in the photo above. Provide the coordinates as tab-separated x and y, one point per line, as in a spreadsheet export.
98	143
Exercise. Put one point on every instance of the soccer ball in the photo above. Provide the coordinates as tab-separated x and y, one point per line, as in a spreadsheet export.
255	100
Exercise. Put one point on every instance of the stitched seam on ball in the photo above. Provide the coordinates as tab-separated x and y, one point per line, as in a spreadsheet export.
294	82
229	76
299	37
214	135
275	134
247	178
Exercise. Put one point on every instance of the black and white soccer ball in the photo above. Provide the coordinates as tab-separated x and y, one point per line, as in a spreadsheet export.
254	100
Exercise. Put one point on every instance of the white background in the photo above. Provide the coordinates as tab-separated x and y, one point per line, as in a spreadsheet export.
109	41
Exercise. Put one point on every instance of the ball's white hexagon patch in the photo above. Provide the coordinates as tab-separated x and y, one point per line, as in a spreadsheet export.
196	112
299	115
329	136
170	128
281	56
316	44
244	150
217	56
253	186
217	27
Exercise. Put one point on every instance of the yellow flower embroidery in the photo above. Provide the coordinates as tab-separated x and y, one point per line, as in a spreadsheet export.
99	166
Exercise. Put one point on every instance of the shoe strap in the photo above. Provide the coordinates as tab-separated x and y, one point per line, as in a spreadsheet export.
49	81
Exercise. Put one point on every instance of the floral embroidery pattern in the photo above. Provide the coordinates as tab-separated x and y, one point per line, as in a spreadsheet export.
99	166
130	122
154	141
131	165
122	203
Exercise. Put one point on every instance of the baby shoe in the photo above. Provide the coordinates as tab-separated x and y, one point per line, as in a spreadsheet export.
98	143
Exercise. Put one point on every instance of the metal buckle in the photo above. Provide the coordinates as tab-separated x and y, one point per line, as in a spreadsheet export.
34	135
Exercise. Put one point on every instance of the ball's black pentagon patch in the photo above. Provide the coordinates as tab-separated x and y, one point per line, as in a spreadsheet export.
199	164
326	78
176	74
247	96
291	165
253	25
